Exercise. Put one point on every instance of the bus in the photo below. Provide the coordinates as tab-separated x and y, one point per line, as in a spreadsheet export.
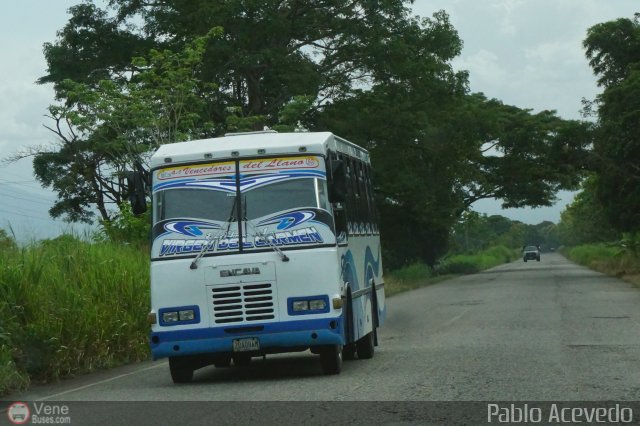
263	243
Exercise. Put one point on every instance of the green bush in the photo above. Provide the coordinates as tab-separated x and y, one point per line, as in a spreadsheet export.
501	254
459	264
419	274
68	306
407	278
413	272
126	228
616	259
472	263
586	254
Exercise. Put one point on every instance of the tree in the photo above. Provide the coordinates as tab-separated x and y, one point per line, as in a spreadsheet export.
472	233
437	150
109	126
614	52
92	46
585	219
366	70
613	48
475	232
617	150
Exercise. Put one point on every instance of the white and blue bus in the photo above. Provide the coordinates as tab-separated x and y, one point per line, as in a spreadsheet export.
263	243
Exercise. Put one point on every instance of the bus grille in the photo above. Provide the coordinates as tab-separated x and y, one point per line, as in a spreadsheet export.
242	302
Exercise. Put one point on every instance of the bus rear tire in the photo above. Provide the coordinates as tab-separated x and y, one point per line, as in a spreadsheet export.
365	346
181	371
349	349
331	359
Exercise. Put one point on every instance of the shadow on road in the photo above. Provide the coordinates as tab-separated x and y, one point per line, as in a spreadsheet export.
273	368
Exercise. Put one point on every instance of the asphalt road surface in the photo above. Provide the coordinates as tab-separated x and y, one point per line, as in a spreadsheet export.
536	331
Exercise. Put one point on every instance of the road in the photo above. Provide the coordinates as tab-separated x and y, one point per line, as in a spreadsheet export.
543	331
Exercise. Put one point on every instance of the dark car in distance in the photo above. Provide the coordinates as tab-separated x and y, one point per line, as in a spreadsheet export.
531	253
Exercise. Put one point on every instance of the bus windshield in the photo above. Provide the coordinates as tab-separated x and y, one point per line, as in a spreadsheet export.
194	204
283	196
209	204
241	205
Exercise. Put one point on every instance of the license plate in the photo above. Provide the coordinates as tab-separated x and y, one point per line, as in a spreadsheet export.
245	345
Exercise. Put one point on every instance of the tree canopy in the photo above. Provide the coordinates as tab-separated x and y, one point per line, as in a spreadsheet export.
614	52
139	74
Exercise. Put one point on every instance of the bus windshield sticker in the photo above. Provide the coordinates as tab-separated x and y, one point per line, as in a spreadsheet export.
303	236
203	170
221	184
276	164
190	228
289	220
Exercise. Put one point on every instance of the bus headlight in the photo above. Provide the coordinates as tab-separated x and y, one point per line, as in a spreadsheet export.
170	316
317	304
179	315
187	315
308	305
300	305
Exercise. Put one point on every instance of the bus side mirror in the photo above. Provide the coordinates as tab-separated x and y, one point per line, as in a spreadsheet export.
338	187
137	196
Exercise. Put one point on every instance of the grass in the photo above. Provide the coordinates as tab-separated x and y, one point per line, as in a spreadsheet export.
69	307
609	259
409	278
419	275
472	263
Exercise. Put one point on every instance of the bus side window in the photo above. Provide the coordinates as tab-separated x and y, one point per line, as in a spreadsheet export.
342	230
363	208
341	216
374	209
359	196
351	196
369	201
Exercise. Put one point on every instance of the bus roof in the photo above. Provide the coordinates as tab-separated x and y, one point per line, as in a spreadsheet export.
248	144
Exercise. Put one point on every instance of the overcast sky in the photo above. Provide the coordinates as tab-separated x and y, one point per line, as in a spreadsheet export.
527	53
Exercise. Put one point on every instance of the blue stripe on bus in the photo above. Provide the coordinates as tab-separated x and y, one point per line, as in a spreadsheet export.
278	334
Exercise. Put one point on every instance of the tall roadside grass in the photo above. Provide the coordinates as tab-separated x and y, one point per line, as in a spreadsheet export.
472	263
610	259
68	307
419	274
407	278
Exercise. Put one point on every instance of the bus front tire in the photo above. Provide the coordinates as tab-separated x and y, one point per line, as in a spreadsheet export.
331	359
181	371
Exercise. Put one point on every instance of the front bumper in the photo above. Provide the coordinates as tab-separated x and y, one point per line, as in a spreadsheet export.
273	337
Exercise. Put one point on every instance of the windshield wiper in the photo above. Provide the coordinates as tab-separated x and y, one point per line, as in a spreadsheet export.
194	263
233	210
275	248
262	235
